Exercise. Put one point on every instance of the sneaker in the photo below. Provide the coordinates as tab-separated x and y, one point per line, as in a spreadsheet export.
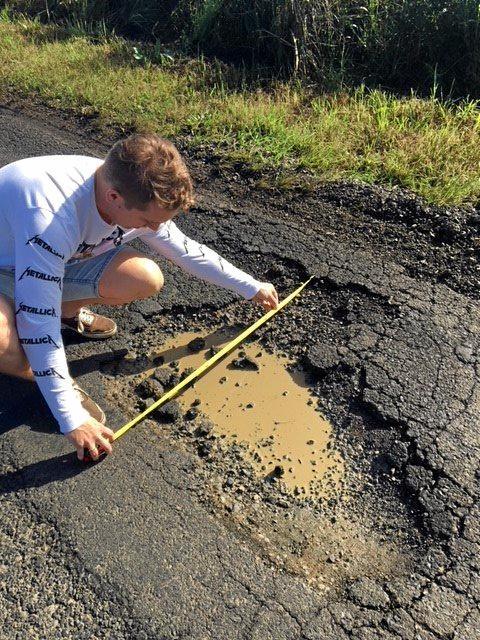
89	404
91	325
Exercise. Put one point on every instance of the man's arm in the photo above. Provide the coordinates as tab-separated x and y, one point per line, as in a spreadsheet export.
41	248
201	261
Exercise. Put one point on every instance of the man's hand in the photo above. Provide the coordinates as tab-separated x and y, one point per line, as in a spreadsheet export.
267	296
91	435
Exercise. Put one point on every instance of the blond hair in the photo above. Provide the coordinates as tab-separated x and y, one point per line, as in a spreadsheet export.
146	168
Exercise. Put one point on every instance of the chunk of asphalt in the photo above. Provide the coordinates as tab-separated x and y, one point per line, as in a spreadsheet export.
204	428
246	363
150	388
163	375
191	413
204	449
169	412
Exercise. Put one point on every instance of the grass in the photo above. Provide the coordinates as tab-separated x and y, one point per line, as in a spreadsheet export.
429	146
393	43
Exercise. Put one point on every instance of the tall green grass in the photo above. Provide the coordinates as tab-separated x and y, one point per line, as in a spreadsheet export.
396	44
288	134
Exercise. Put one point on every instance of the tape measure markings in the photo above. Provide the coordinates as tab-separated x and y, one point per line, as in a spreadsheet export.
206	366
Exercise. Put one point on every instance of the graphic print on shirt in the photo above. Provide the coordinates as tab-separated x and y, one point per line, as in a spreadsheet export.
199	247
41	243
40	275
48	373
85	250
117	239
51	213
38	311
46	339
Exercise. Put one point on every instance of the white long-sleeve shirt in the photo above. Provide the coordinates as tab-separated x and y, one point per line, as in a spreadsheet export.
48	217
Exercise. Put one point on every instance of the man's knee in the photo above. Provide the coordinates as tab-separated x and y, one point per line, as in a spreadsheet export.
12	358
150	278
7	324
130	276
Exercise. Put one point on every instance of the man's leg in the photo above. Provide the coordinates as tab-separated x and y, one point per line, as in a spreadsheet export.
12	357
129	276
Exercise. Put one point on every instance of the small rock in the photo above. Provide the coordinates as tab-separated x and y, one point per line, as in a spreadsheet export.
150	387
204	449
204	428
236	508
168	412
163	375
147	403
246	363
191	414
464	352
278	471
223	379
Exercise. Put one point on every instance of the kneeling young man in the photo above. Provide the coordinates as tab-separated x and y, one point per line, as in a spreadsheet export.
65	223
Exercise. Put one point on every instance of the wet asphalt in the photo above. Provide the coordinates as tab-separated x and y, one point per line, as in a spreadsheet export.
124	549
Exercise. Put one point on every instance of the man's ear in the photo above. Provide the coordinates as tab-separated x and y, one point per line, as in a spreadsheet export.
112	196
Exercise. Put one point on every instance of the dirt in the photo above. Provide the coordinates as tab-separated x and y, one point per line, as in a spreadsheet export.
257	398
260	505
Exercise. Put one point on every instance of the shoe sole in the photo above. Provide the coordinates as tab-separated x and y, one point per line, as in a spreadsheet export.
103	418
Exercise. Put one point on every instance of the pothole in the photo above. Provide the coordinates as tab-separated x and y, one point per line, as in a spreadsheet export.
324	535
263	401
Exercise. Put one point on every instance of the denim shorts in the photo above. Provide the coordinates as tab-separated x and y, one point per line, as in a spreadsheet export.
80	281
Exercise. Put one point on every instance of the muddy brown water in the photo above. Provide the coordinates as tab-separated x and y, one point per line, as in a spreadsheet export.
252	397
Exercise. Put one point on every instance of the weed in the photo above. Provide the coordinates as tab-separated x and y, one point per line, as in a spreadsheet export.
427	145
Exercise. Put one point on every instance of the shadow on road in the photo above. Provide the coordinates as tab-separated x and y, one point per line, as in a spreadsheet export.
23	404
41	473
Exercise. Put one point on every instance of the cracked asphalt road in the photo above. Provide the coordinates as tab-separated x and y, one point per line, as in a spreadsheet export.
126	549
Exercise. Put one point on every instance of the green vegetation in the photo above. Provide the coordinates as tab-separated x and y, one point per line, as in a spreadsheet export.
401	44
430	146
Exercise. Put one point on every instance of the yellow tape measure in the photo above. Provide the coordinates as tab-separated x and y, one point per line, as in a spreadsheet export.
209	363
